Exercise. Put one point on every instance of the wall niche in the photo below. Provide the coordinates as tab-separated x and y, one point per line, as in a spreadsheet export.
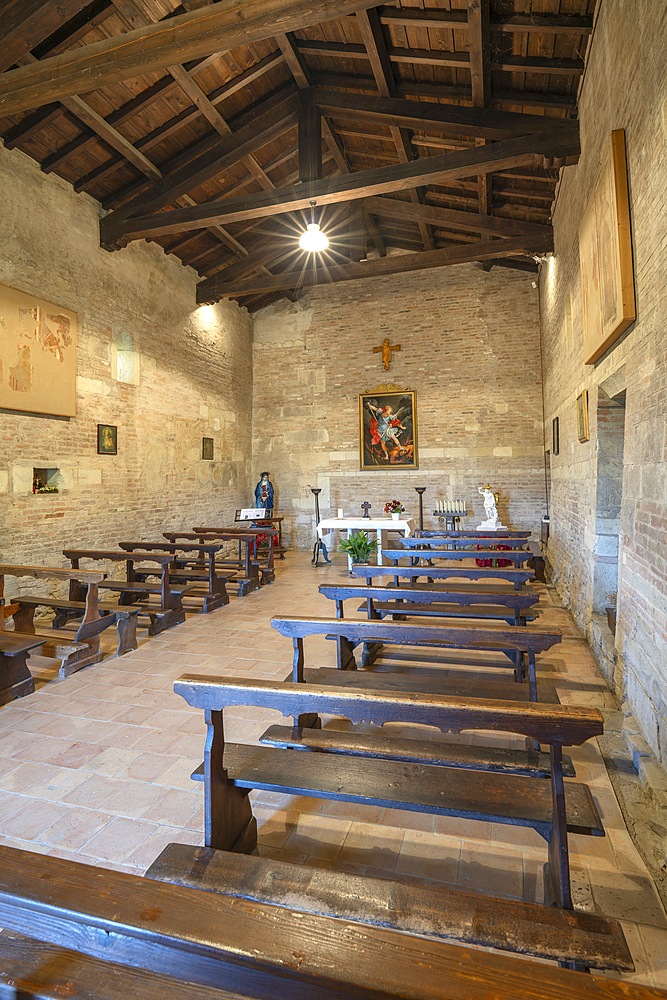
46	480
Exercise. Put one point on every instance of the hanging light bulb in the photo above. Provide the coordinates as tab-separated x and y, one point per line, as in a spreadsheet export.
313	240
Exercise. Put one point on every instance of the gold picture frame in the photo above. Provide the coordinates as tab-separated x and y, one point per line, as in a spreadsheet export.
582	416
388	429
605	255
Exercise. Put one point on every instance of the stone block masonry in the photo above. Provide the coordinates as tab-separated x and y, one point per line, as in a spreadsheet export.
469	347
621	89
194	380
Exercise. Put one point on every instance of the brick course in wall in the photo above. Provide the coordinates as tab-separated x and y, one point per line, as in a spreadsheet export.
195	380
624	87
469	348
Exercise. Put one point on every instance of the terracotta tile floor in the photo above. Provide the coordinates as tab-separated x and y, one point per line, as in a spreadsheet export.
96	767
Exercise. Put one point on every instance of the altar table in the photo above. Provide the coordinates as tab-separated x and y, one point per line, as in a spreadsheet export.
380	525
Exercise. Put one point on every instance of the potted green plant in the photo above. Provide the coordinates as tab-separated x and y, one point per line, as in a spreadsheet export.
358	546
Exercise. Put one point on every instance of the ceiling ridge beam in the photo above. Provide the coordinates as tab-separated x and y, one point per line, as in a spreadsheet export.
215	28
470	221
506	154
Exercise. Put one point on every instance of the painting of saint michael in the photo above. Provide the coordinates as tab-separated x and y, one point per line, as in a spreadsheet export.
388	430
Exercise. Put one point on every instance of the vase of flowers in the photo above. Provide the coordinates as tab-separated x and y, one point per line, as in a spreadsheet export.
395	508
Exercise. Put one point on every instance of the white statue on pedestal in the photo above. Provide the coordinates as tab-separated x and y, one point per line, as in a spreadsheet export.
492	522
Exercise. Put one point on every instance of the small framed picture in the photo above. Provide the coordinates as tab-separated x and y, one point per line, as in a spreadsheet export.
582	416
207	449
555	436
107	439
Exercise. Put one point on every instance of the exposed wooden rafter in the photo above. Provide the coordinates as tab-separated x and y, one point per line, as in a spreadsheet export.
215	28
26	23
554	145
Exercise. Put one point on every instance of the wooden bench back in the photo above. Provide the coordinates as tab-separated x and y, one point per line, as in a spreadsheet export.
516	576
552	724
514	555
488	637
133	557
424	595
417	541
435	533
171	546
236	531
53	573
248	949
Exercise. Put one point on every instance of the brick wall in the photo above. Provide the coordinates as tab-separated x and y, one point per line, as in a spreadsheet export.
622	88
196	380
470	349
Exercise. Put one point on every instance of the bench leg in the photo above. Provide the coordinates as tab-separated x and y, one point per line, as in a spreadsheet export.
72	660
24	619
309	720
229	824
16	681
370	653
127	633
160	622
557	870
345	654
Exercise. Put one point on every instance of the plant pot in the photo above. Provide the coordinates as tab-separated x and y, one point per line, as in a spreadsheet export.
396	517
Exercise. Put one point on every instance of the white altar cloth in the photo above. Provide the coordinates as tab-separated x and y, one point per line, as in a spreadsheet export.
380	525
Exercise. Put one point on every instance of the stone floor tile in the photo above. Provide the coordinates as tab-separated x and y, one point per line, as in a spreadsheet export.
319	836
429	856
35	816
119	839
632	897
371	845
144	855
75	827
495	872
174	807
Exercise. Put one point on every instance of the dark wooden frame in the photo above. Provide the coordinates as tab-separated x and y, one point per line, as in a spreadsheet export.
101	450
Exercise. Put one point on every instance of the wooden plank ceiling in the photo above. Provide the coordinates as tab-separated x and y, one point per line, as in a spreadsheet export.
428	132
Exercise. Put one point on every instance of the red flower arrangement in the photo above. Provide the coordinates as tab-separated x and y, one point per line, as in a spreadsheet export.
394	507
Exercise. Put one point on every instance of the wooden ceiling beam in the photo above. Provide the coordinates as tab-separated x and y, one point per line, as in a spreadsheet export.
172	125
31	124
479	45
213	158
218	27
374	43
378	267
412	17
296	65
383	180
26	23
537	64
565	24
469	221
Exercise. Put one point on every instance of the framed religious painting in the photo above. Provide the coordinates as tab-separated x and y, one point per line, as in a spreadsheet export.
582	416
555	436
388	429
107	439
605	254
207	449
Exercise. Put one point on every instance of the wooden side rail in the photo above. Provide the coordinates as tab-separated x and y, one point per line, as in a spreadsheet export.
514	641
53	573
143	938
170	611
505	798
517	577
217	596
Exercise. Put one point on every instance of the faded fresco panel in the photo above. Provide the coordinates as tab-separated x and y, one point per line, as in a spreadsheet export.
37	355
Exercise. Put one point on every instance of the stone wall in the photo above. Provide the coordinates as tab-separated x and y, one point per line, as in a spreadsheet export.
195	380
469	347
624	89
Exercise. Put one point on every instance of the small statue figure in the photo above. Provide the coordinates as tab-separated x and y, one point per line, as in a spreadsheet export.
264	492
492	522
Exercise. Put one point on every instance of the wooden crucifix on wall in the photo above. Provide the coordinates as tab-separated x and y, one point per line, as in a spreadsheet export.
386	349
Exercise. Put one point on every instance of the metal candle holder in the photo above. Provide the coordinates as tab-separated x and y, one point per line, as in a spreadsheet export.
319	546
421	490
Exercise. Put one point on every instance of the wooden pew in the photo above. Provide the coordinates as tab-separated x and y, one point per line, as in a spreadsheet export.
267	560
517	577
167	613
77	649
460	541
140	938
471	533
516	556
217	596
516	643
16	681
229	770
245	566
423	600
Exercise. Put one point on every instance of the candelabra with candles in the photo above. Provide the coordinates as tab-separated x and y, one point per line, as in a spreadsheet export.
451	512
319	548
